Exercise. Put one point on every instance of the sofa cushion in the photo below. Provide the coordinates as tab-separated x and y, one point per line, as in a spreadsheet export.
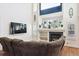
4	53
15	46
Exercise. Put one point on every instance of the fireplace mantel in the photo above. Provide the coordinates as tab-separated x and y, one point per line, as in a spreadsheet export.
53	30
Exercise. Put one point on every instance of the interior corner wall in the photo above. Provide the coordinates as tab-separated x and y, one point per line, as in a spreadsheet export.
15	12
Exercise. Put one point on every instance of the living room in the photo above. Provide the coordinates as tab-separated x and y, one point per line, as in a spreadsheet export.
33	23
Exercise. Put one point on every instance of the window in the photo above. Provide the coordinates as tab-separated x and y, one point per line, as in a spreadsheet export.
47	8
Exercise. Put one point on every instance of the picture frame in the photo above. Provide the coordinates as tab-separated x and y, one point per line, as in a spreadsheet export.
71	30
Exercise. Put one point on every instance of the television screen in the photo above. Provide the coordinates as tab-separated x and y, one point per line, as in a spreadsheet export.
47	8
16	28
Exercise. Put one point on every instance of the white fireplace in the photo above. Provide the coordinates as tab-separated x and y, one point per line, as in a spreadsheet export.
50	34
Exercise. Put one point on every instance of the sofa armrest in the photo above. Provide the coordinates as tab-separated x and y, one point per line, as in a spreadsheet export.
55	47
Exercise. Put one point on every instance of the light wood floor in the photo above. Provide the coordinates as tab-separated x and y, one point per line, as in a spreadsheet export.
69	51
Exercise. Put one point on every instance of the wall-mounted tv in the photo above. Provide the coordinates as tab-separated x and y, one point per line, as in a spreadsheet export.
47	8
16	28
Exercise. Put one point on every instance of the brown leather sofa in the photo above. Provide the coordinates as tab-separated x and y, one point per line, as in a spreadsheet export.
16	47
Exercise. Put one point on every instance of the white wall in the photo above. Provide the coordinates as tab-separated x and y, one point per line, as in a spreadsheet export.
15	12
72	41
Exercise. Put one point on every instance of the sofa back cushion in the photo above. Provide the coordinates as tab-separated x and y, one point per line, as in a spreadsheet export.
15	47
32	48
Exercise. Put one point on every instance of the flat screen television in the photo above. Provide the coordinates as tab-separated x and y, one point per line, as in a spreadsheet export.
16	28
47	8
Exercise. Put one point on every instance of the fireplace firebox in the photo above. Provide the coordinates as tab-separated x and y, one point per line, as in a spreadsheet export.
54	35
